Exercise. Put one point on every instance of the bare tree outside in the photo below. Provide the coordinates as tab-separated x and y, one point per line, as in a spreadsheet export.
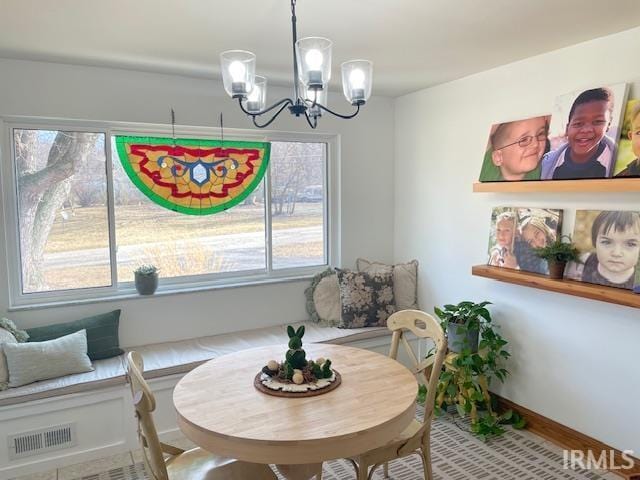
51	167
298	172
295	166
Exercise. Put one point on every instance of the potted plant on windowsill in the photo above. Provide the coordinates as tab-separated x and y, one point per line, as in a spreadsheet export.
557	254
146	279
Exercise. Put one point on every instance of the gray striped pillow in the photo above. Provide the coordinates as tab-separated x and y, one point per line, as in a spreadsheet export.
33	361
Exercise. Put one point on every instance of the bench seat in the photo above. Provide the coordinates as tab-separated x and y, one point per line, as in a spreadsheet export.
171	358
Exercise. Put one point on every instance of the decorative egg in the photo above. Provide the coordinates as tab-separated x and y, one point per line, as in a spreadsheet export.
320	361
297	370
273	365
297	378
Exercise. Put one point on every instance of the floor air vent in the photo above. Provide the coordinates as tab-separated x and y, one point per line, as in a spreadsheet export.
39	441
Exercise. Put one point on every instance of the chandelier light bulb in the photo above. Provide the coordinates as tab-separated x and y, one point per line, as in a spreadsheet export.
254	96
356	79
237	71
257	97
314	59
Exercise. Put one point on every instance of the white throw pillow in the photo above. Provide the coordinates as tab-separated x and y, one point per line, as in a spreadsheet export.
33	361
326	298
405	280
5	337
323	299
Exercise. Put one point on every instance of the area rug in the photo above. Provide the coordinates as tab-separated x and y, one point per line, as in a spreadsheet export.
457	455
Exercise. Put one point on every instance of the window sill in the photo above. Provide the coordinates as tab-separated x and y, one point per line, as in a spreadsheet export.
129	293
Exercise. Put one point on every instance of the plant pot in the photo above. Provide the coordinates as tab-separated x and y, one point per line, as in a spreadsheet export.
146	284
459	338
556	270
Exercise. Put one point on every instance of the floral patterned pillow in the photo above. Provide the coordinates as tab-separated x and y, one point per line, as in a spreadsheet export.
367	300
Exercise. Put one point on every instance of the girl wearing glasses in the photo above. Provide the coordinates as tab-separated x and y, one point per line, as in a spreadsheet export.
588	151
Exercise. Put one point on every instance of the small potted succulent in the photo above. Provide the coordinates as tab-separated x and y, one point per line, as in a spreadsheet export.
557	254
146	279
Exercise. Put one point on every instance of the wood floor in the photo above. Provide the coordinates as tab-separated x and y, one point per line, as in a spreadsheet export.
457	455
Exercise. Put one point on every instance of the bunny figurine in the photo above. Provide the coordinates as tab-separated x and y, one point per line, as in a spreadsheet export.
296	356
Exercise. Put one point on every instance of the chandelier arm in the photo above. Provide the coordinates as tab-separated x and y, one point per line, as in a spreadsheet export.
285	101
310	103
346	117
275	115
313	124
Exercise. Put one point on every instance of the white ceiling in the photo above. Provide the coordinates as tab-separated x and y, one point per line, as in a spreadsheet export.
413	43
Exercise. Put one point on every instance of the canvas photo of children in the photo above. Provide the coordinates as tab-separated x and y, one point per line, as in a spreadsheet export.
514	150
515	234
584	132
609	242
628	159
502	237
537	228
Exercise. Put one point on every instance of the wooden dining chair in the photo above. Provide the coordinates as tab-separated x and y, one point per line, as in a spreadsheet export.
416	438
166	462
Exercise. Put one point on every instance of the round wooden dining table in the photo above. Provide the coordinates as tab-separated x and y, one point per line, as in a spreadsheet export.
220	410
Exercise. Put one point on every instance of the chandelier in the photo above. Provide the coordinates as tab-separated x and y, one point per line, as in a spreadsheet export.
311	75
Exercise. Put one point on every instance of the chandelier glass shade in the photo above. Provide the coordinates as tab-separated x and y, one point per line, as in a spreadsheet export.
238	72
311	76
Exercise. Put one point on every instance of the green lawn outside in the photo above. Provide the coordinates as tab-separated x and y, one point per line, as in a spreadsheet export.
86	228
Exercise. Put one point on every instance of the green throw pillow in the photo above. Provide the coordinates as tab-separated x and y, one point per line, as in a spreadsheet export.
102	334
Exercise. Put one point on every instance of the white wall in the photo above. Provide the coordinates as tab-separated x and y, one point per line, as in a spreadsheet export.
53	90
574	360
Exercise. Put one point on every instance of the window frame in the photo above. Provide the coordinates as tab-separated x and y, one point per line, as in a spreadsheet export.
186	284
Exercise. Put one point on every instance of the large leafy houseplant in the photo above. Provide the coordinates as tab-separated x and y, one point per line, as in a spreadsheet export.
557	254
464	382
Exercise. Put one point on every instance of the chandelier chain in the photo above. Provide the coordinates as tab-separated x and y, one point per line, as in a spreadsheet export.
294	32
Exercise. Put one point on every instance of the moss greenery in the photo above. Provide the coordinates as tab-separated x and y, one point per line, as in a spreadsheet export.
296	359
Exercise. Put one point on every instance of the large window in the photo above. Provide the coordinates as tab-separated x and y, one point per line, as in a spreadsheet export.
82	227
63	223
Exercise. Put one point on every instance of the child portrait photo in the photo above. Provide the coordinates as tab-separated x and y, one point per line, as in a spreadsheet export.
502	237
514	150
584	132
609	243
628	160
515	234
